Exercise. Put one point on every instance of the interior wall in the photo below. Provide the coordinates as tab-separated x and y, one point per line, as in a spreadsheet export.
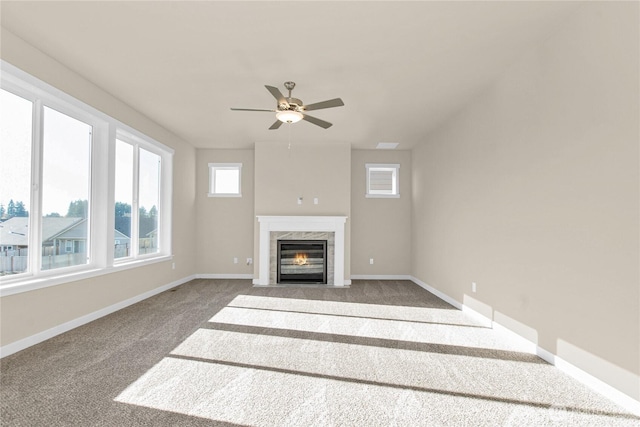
284	173
225	224
532	192
26	314
381	227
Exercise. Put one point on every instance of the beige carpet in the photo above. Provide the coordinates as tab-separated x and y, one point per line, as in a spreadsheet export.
216	352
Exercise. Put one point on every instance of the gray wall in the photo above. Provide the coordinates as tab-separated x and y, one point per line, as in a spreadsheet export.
380	227
532	192
307	170
225	224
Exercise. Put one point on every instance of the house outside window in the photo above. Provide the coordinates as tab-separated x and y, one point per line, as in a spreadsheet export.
382	180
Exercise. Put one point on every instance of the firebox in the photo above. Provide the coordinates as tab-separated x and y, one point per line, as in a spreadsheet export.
302	261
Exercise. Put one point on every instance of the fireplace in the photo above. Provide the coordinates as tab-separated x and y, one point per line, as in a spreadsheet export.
302	261
274	228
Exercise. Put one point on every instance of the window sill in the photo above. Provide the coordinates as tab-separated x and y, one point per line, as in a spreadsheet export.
30	283
223	195
382	196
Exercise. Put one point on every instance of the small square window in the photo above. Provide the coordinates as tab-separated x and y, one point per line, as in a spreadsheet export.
225	179
382	180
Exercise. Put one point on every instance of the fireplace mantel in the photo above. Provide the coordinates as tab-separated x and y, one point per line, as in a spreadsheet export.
331	224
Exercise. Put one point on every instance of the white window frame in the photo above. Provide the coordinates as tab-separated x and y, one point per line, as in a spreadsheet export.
213	167
139	143
391	167
101	197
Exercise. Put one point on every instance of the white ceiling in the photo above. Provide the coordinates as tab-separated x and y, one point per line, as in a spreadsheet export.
400	67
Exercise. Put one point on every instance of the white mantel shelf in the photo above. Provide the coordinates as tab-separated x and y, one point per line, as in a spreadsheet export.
331	224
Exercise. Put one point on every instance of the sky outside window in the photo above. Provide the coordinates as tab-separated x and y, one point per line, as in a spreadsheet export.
227	181
66	160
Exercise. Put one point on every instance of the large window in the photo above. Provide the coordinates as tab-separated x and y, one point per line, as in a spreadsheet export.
63	167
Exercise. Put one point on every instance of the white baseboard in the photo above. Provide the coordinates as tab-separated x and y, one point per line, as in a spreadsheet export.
437	293
380	277
224	276
593	382
584	377
19	345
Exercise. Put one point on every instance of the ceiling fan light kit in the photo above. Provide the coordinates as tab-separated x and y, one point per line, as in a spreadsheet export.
288	116
292	110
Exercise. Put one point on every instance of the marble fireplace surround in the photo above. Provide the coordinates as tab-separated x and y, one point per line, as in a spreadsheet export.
273	226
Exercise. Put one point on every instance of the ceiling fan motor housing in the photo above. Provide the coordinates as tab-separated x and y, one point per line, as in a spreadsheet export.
294	104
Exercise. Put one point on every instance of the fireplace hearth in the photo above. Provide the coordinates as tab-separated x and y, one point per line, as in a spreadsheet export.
302	261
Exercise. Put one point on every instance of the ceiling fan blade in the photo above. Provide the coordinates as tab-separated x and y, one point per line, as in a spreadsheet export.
277	95
316	121
337	102
251	109
276	125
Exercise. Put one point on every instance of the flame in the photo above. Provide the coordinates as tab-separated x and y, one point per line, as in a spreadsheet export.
300	259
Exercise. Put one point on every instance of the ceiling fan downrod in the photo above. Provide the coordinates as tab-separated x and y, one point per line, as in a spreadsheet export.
289	86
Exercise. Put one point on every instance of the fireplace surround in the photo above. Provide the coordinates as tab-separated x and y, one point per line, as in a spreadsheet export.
272	228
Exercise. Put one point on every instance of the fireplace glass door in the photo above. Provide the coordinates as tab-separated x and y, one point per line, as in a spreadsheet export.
302	261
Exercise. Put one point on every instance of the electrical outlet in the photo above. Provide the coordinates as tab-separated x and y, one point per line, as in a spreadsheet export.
315	200
371	261
173	265
474	287
235	260
249	261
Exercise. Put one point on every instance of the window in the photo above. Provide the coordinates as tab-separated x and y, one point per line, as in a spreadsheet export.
123	199
138	180
59	158
66	182
16	118
225	179
148	202
383	180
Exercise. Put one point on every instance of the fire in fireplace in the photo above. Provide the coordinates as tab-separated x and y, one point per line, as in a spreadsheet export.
302	261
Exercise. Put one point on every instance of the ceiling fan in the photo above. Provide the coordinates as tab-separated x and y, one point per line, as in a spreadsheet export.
292	110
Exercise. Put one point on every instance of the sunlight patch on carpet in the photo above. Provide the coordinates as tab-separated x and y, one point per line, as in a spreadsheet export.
375	364
370	328
257	397
374	311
